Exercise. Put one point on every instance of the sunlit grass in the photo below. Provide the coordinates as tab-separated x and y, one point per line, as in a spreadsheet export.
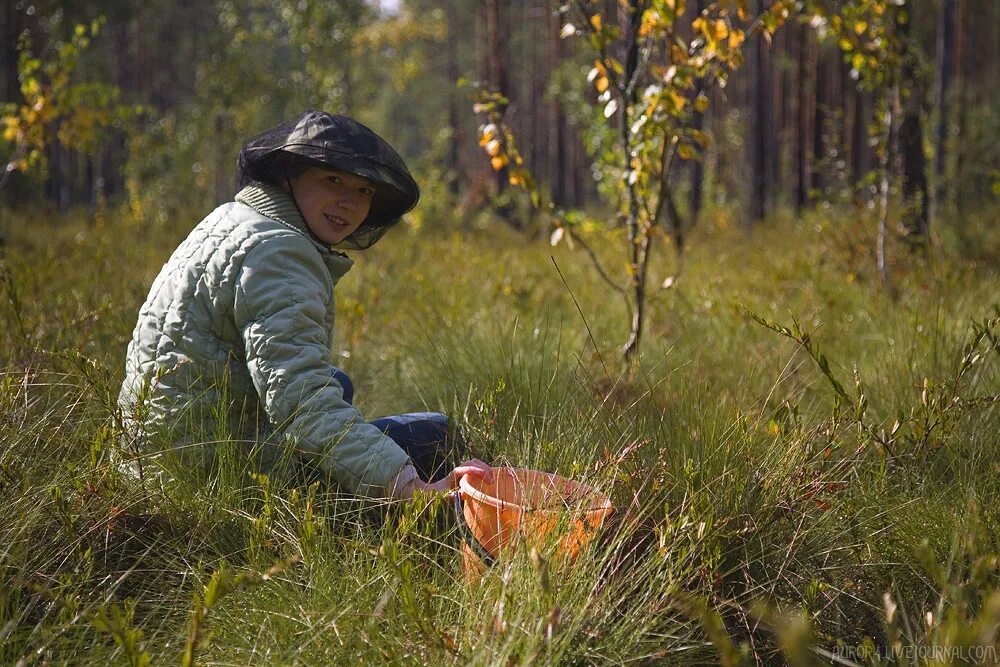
748	495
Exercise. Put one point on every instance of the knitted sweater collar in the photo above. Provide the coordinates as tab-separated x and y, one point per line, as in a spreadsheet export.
275	203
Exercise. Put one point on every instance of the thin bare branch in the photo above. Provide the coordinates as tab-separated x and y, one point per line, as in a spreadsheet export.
576	238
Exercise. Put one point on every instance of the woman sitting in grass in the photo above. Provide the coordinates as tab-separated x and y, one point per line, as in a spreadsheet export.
233	341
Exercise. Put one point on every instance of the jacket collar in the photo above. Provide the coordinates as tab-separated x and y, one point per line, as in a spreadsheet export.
275	203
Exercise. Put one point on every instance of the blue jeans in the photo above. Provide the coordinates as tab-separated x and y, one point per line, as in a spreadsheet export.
425	436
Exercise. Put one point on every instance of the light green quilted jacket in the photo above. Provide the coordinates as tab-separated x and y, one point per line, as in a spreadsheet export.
234	339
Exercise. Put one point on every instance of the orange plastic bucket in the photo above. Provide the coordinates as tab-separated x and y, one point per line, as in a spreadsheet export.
522	505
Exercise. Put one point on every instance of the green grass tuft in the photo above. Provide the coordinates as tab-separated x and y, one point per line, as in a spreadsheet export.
803	466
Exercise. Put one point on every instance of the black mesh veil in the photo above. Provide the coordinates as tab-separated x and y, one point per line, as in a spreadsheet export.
328	141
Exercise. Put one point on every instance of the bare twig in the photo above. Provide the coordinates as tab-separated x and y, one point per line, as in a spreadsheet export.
586	324
576	238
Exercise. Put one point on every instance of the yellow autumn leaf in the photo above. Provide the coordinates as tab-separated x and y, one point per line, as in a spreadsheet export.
488	135
677	101
860	27
11	126
498	162
601	83
698	25
717	30
736	38
598	70
649	21
596	21
780	12
685	151
31	88
701	103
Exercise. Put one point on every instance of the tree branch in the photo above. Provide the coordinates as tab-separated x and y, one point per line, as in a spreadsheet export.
633	35
576	238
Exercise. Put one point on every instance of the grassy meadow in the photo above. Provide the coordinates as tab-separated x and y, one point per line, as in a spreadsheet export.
804	466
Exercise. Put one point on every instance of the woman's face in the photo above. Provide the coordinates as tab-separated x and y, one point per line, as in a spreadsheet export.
333	203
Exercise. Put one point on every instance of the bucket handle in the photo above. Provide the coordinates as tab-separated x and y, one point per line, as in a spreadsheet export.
477	548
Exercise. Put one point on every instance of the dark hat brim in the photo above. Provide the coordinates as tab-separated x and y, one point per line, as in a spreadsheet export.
335	142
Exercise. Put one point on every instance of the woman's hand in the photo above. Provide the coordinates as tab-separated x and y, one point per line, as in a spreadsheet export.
472	467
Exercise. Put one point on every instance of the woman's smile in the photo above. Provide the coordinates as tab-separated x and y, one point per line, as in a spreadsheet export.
333	203
337	220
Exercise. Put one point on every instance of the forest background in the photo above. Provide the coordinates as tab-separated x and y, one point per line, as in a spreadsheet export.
778	174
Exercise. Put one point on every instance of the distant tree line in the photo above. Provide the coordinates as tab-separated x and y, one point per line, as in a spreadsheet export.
794	126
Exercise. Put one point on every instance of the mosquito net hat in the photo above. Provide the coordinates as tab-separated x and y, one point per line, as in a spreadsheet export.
328	141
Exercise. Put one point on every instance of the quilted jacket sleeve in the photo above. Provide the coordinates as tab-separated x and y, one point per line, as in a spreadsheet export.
280	308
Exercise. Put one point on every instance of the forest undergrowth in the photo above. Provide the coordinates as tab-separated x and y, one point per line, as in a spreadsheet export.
803	464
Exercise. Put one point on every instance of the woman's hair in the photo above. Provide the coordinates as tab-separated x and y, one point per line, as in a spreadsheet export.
276	171
327	141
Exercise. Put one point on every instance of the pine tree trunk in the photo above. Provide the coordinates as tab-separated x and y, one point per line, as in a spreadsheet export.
943	71
759	114
697	182
913	218
11	29
962	97
697	167
861	162
885	179
819	122
806	78
453	166
557	159
496	58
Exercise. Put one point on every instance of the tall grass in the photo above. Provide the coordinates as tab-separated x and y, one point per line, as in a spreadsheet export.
802	466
